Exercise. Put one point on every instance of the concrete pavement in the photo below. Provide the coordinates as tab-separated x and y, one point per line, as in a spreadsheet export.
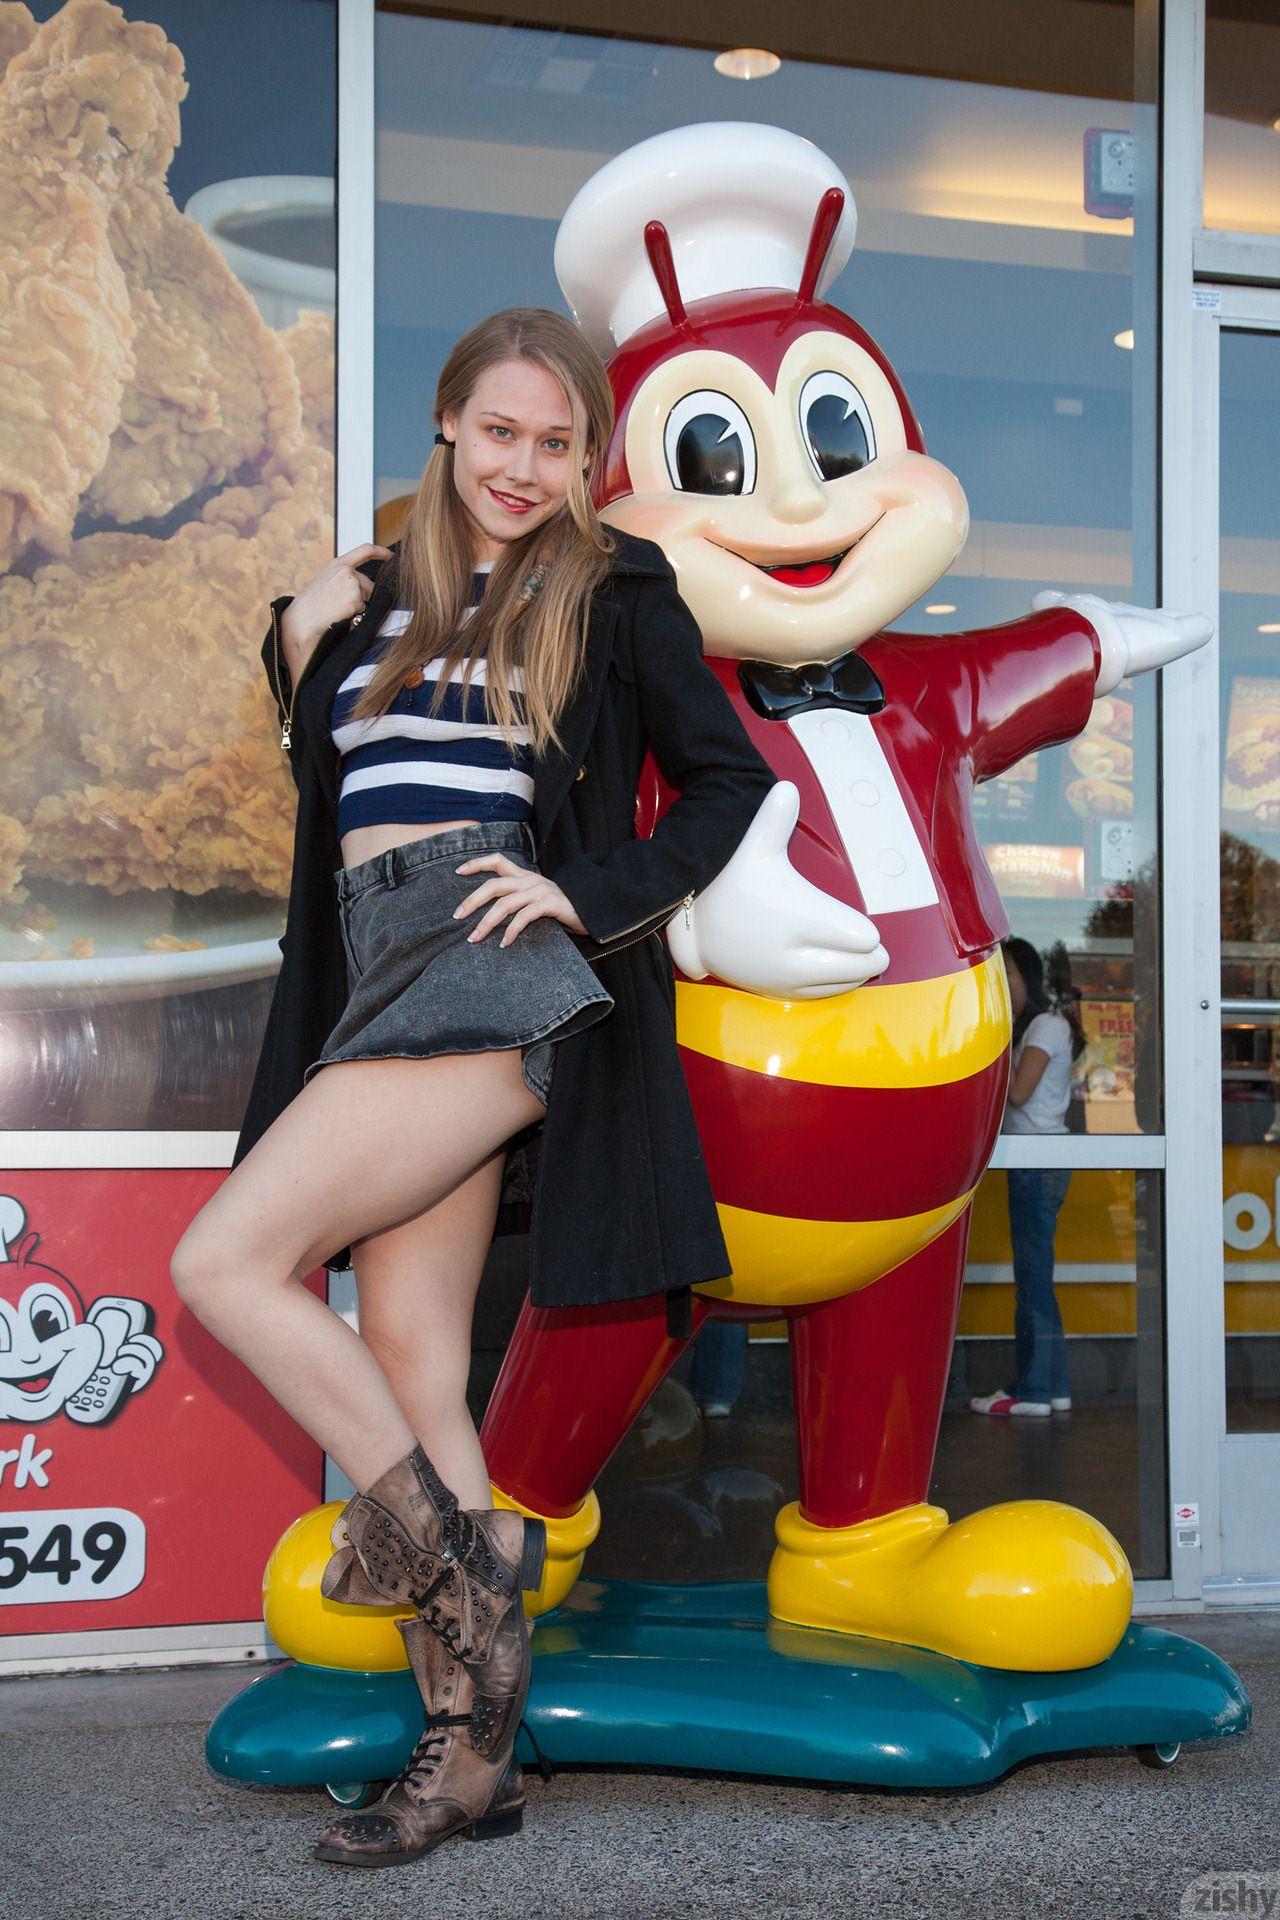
108	1811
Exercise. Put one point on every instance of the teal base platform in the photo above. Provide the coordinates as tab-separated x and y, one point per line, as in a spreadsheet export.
631	1674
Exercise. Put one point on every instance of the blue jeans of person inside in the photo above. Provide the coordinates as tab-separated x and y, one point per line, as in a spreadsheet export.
719	1360
1036	1195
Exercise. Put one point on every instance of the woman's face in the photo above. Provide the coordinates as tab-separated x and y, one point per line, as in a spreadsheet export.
511	441
1017	986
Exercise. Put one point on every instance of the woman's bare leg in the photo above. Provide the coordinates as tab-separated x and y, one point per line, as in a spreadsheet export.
418	1285
365	1146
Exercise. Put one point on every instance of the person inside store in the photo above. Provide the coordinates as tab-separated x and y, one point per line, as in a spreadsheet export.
473	958
1047	1040
719	1365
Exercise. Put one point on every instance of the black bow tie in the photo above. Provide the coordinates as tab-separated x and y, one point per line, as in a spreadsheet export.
778	692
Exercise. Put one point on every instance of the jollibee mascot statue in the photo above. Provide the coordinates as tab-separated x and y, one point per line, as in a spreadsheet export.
841	1003
844	1023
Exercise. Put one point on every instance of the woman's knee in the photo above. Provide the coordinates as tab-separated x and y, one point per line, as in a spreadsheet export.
197	1272
208	1268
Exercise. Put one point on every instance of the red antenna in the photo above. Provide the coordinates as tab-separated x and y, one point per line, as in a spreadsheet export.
657	245
821	234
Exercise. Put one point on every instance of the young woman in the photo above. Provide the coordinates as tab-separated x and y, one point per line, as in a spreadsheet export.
1046	1041
472	956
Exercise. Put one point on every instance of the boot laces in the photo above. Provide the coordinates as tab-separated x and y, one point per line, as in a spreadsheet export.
429	1749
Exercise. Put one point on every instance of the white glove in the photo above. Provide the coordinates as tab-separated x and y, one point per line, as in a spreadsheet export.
1133	639
762	926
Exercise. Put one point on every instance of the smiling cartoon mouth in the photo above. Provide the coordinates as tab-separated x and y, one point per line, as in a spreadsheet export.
807	573
32	1383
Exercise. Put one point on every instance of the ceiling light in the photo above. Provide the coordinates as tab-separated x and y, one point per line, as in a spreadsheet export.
1125	339
747	63
942	606
1270	626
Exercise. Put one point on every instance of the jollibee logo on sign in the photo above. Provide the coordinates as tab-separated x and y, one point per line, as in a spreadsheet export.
129	1438
54	1355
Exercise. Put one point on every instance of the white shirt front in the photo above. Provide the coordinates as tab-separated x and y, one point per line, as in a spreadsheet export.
1045	1111
889	864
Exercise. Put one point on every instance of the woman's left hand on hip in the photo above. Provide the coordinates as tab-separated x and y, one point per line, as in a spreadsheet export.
514	891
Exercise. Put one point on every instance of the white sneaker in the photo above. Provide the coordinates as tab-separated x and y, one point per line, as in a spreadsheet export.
1062	1404
1002	1404
716	1410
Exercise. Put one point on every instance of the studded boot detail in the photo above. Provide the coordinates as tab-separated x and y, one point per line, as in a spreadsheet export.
460	1778
408	1540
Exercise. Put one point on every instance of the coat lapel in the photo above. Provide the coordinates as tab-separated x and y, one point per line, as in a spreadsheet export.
554	772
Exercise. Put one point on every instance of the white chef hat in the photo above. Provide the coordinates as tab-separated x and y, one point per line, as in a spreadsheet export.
737	200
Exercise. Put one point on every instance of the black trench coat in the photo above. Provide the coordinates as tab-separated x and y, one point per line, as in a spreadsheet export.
622	1203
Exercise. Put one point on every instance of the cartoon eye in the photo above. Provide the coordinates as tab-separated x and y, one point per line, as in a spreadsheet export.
709	445
836	423
49	1318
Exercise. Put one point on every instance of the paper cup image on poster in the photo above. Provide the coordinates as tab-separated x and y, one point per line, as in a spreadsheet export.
168	468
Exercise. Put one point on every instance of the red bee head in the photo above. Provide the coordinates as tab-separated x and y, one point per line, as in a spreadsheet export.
763	439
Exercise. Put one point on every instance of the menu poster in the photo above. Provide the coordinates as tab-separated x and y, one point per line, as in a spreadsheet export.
1251	759
1098	782
1029	872
1106	1066
1010	797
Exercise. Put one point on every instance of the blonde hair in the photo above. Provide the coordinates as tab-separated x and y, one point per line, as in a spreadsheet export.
537	601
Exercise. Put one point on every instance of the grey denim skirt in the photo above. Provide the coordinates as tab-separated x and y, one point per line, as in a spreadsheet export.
418	987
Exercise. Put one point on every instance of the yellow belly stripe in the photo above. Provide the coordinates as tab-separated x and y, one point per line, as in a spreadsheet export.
923	1033
792	1263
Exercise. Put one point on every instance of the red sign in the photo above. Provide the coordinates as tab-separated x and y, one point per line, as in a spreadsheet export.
144	1474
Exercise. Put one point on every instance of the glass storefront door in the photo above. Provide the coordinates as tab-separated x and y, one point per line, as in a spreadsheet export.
1238	354
1249	729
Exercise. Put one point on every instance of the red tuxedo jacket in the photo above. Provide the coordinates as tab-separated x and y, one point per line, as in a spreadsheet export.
960	708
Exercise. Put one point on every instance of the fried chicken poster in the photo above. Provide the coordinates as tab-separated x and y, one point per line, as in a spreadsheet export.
166	467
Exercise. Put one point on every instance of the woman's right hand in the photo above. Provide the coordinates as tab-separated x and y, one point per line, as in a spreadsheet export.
337	592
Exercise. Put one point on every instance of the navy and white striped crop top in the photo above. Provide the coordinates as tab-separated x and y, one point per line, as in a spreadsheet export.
407	765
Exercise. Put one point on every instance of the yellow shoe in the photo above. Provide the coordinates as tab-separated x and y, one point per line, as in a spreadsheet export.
567	1541
320	1632
1031	1585
326	1633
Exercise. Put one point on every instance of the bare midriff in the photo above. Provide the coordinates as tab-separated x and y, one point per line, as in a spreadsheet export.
366	843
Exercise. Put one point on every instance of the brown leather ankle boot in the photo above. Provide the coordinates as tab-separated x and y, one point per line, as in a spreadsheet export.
407	1539
462	1776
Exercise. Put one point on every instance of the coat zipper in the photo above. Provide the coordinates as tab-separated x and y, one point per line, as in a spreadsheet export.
286	730
653	924
286	727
